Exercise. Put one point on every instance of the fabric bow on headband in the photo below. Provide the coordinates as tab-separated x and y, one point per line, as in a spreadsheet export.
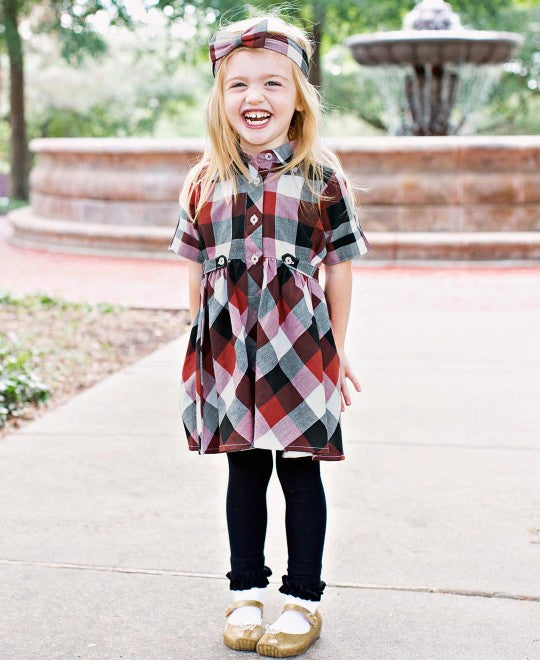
257	36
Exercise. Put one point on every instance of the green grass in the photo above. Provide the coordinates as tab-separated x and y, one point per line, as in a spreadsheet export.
41	300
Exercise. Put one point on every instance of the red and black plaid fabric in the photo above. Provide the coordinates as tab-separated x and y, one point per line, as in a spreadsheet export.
223	42
261	368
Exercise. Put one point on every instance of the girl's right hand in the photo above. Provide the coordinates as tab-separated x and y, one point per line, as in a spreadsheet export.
345	371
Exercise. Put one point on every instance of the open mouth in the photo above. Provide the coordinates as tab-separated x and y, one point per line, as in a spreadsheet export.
256	118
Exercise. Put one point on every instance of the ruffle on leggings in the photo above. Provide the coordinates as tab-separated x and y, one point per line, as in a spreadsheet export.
249	578
300	590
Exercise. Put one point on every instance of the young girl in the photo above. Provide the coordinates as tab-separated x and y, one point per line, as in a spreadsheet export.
265	367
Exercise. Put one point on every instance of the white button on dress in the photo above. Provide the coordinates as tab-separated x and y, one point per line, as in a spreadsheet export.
254	258
253	219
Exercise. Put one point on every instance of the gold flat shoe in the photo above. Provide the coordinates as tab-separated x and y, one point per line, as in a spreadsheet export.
242	637
284	645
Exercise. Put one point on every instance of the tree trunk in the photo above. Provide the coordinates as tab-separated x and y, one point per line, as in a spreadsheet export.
19	150
319	14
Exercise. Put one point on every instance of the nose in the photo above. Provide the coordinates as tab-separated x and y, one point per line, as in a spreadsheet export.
254	94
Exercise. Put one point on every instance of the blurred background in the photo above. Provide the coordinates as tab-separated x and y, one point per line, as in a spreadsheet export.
140	68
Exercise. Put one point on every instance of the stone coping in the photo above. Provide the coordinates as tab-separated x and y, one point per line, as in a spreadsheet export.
116	145
52	234
384	143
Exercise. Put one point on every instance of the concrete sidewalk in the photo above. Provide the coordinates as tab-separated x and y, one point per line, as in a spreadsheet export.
114	540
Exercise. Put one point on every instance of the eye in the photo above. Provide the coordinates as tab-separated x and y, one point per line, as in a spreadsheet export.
274	82
236	84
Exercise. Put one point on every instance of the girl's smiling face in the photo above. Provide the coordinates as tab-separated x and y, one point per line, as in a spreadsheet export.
260	97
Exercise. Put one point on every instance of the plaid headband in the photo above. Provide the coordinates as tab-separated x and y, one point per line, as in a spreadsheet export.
257	36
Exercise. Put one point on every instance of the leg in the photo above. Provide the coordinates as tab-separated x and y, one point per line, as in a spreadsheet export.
299	623
305	522
249	474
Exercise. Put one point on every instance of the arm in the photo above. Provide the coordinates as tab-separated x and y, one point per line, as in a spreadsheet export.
195	270
337	289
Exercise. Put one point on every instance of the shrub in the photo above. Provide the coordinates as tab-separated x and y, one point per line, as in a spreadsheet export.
19	384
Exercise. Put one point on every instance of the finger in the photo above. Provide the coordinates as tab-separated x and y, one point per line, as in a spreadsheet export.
354	380
345	392
342	384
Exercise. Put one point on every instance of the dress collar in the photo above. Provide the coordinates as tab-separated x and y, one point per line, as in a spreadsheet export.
281	154
285	151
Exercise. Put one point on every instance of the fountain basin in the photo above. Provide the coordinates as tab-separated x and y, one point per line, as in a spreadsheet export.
454	197
435	47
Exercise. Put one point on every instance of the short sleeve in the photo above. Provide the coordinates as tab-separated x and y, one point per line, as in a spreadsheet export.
344	236
186	240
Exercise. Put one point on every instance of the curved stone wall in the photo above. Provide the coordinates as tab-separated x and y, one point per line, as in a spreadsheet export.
424	197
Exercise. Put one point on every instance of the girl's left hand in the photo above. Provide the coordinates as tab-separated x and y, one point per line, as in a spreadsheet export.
345	371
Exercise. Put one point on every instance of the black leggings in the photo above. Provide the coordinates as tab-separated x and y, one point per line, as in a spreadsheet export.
305	521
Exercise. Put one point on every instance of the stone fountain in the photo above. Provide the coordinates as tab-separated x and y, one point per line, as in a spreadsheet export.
433	45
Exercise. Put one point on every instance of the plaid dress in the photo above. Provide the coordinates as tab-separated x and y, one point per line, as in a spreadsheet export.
261	368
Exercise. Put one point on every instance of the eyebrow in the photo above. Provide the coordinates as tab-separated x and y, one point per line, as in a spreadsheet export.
264	75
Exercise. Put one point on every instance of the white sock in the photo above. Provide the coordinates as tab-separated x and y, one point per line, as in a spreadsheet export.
295	454
294	622
248	614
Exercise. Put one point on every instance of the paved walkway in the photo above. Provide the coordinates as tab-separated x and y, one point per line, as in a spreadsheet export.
114	541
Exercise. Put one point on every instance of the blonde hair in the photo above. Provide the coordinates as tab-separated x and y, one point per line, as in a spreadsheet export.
222	161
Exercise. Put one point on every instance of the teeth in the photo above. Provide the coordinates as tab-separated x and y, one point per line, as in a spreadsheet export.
256	115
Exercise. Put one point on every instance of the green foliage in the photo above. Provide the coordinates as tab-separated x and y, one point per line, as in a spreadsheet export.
348	90
7	204
103	119
341	17
4	145
38	300
19	383
71	24
514	104
155	95
94	121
